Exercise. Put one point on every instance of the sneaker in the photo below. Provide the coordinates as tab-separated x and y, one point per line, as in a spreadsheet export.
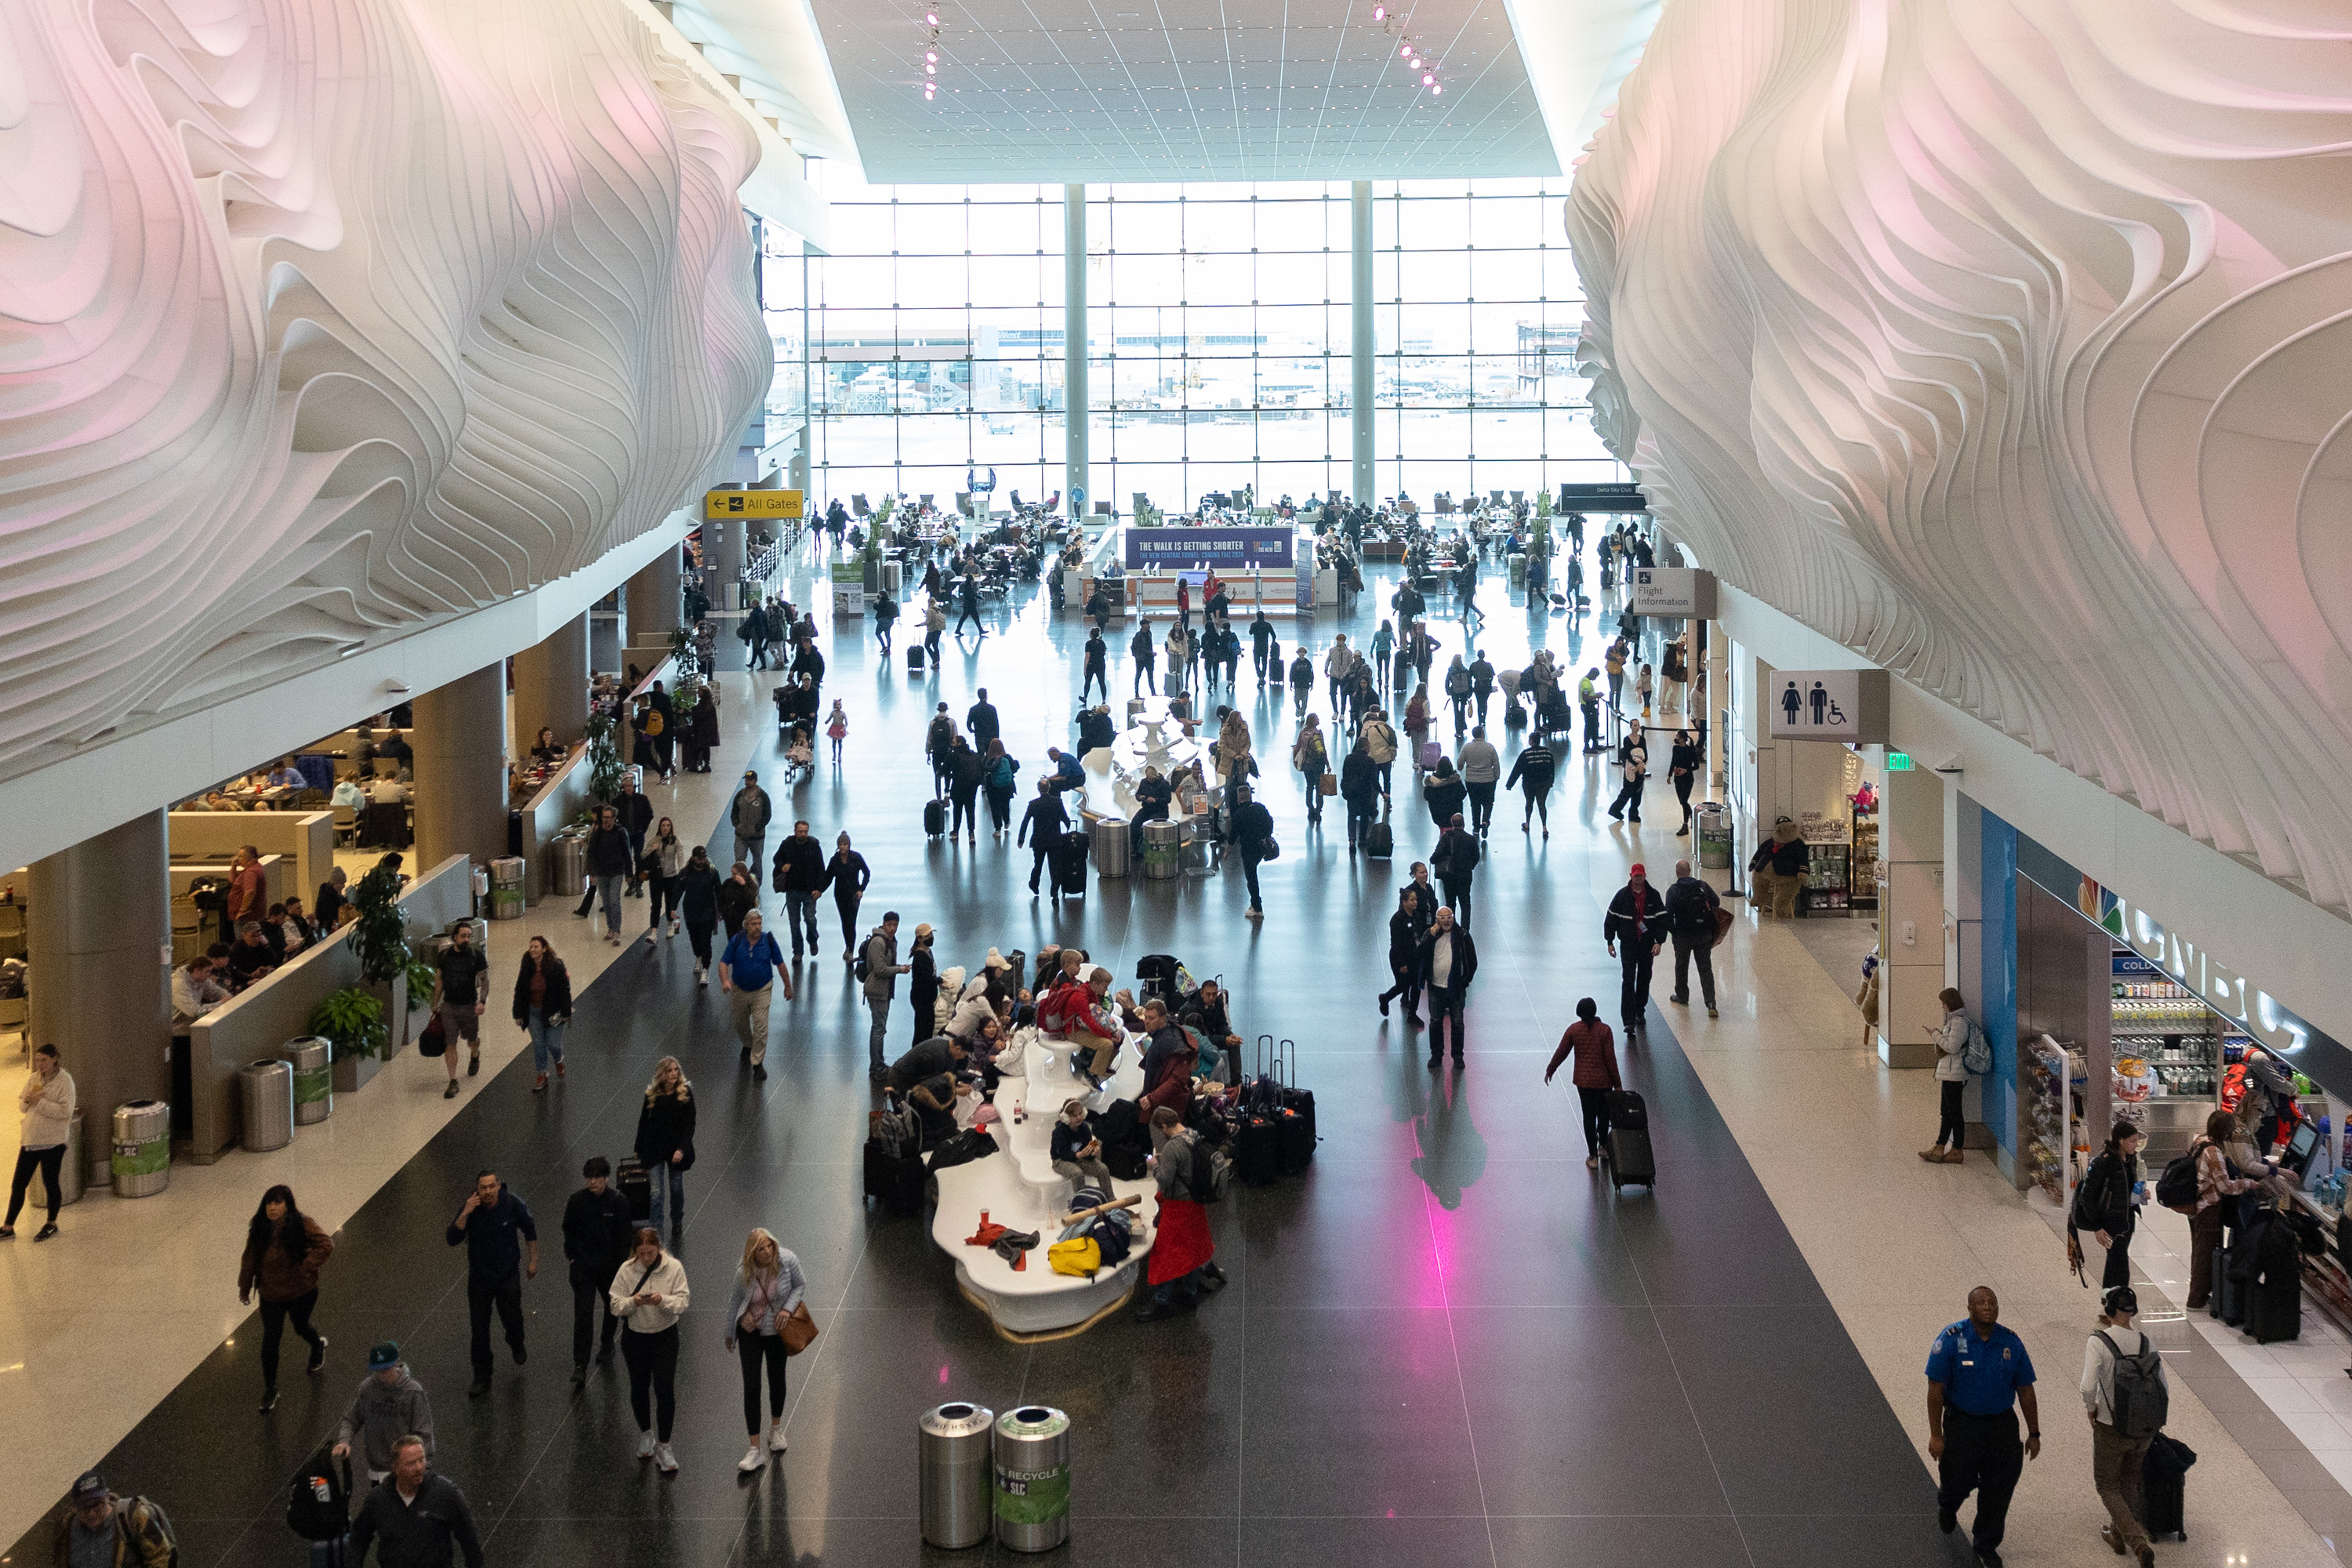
759	1073
1592	1162
645	1446
1933	1156
776	1434
674	927
478	1388
268	1400
45	1232
580	1375
1711	1012
1679	1001
753	1460
2107	1534
665	1459
318	1355
700	978
2147	1557
559	1070
1385	1006
539	1084
473	1064
450	1093
653	933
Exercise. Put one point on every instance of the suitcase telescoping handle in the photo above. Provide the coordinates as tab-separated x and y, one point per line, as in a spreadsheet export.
1264	1050
1288	1060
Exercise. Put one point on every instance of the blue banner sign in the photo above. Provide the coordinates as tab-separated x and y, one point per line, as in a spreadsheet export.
1228	550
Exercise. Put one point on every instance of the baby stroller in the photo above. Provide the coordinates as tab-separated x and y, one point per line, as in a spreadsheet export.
800	755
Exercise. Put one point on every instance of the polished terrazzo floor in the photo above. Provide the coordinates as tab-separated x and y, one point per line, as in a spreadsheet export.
1448	1342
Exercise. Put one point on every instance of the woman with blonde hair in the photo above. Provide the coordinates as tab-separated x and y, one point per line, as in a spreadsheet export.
768	1287
664	1144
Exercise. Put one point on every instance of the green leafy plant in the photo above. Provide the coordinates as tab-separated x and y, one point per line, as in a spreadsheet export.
421	976
351	1021
380	936
604	758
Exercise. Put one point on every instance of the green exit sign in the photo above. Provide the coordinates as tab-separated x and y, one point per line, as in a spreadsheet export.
1898	762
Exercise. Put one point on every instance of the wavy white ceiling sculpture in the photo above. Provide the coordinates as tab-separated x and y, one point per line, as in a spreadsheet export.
2009	343
321	319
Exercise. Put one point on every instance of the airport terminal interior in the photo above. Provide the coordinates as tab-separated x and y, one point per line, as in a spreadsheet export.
885	784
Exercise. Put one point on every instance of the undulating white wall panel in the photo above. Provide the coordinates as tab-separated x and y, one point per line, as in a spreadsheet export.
321	318
2008	342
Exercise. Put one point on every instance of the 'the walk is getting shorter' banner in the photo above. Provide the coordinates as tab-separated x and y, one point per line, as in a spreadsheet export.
1228	550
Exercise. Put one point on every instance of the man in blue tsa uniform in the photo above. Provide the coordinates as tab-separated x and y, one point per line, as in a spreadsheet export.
1977	1374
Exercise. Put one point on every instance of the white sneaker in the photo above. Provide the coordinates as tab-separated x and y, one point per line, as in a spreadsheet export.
673	928
665	1459
699	979
776	1434
754	1461
651	933
645	1446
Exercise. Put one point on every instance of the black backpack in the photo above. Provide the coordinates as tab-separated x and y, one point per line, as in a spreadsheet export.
318	1499
2176	1189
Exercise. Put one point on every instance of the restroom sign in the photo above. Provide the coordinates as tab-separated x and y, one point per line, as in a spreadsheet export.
1847	705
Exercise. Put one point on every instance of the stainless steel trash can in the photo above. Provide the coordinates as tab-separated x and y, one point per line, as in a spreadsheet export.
1714	838
312	1057
1032	1479
567	865
70	1176
506	888
953	1444
265	1093
1163	850
1109	848
142	1161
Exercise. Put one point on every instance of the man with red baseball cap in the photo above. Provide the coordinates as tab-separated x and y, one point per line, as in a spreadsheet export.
1637	920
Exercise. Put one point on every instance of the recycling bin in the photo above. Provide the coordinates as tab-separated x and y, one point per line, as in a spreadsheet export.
142	1161
1164	848
1714	838
312	1057
1032	1462
506	888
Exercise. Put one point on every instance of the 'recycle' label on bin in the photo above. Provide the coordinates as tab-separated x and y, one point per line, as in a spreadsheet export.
1033	1496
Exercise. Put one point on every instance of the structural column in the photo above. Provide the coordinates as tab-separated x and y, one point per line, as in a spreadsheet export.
1911	918
1360	339
1077	493
656	603
97	952
461	768
550	685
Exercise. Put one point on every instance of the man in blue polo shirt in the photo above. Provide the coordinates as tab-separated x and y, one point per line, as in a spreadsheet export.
1977	1371
747	972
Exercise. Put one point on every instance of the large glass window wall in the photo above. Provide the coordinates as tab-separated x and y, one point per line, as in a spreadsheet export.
1218	340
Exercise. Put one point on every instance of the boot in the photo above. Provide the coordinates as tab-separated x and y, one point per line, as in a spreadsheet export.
1954	1157
1933	1156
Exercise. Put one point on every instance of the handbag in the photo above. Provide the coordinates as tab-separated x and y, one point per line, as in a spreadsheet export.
797	1330
1722	925
436	1038
1325	785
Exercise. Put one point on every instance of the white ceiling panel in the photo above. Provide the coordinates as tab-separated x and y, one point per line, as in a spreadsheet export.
1185	90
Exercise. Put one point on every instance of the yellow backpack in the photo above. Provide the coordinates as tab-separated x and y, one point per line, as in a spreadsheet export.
1081	1257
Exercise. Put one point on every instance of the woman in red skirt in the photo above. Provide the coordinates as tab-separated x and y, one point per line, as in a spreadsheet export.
1181	1263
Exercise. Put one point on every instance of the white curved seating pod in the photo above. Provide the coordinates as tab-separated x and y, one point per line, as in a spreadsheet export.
331	318
2005	344
1019	1189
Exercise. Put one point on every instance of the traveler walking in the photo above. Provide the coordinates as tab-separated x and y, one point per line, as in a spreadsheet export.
501	1242
1531	775
1263	645
1339	664
1182	1263
1482	770
1593	1076
880	982
836	726
598	1232
998	772
1443	793
1637	919
935	627
46	1105
748	972
2104	1201
1482	680
1951	1082
417	1520
390	1405
664	863
1380	739
1455	861
284	1250
1407	926
1691	905
1683	764
800	876
636	814
608	874
886	624
461	991
1457	693
847	874
749	813
1140	650
1633	763
966	770
1253	828
1098	667
2127	1398
1313	760
98	1527
649	1297
543	1002
1977	1374
739	896
665	1144
1448	961
980	721
1302	678
698	902
768	1285
1360	788
1042	826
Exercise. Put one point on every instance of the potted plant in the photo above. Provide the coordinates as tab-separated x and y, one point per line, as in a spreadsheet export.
379	940
352	1022
604	758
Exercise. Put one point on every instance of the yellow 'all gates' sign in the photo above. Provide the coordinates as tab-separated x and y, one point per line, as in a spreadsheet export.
752	503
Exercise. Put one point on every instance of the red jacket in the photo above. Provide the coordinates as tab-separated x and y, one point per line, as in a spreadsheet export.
1596	1055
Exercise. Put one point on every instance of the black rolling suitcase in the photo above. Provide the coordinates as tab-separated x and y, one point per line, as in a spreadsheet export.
894	1179
1298	1127
934	818
2164	1488
914	658
2274	1309
1257	1149
1067	861
1630	1160
1379	841
636	1188
2228	1301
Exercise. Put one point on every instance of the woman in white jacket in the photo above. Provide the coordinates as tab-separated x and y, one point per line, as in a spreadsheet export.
649	1297
47	1101
768	1287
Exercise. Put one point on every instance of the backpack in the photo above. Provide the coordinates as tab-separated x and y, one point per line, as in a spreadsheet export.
2176	1189
1213	1173
861	968
897	1128
1976	1055
2091	1209
652	724
2141	1402
318	1499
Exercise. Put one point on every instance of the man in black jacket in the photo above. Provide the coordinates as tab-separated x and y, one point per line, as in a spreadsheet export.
1252	828
1042	826
1690	913
415	1519
610	861
800	877
1098	666
1637	920
636	814
1261	637
982	721
966	769
1142	650
1456	860
1448	961
598	1232
1206	1010
1407	926
939	743
1095	729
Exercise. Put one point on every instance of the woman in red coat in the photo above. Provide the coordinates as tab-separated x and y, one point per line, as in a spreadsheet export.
1594	1076
1181	1265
